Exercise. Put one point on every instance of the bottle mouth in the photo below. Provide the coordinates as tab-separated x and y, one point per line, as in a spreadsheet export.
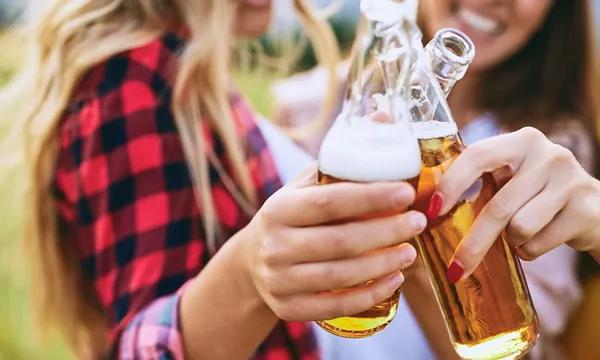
455	46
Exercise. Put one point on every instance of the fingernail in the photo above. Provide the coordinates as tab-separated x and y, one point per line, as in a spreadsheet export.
435	206
418	220
455	272
401	196
406	254
396	281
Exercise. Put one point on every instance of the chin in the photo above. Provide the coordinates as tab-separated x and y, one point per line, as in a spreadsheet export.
481	65
251	31
253	22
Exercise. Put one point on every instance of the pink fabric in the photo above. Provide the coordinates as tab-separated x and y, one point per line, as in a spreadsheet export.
154	332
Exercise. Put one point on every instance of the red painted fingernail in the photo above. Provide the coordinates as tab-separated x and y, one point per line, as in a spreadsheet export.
435	206
455	272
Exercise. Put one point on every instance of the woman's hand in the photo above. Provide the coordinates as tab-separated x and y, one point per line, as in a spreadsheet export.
548	200
308	240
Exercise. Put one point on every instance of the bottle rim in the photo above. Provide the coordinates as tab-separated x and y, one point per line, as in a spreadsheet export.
455	46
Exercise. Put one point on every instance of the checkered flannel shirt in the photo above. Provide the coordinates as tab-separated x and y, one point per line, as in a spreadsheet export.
126	203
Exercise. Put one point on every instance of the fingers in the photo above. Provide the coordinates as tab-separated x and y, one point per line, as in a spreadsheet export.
329	305
342	274
495	217
353	239
382	117
535	215
328	203
502	175
567	227
561	230
484	157
308	177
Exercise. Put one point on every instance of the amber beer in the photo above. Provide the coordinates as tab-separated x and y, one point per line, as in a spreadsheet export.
371	139
489	314
371	321
358	149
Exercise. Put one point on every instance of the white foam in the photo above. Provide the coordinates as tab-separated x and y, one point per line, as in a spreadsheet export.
433	129
359	149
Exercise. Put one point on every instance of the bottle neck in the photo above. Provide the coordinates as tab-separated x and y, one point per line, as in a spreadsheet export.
449	55
444	61
380	71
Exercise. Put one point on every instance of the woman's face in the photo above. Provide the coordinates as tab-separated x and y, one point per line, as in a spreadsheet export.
499	28
253	17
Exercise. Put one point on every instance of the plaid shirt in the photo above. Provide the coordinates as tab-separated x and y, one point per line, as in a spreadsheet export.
125	200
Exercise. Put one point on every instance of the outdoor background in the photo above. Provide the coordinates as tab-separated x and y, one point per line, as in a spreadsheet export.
17	339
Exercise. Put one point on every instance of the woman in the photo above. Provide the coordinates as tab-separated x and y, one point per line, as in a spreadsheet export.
524	77
521	76
147	171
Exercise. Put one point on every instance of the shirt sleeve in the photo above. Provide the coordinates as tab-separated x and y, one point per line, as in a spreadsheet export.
129	205
154	332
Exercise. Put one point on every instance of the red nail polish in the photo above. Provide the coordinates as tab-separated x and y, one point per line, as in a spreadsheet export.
435	206
455	272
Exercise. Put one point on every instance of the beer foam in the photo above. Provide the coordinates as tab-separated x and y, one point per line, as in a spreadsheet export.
359	149
433	129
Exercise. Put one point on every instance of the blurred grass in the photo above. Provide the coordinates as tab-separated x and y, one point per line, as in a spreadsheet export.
255	86
17	340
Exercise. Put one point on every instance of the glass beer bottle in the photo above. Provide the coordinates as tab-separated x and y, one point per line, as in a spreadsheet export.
489	314
371	138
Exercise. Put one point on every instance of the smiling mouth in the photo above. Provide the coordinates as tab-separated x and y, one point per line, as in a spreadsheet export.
479	22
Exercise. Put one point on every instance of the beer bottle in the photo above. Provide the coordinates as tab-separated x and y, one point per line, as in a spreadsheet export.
489	315
371	139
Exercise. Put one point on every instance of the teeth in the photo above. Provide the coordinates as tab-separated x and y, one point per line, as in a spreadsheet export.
478	21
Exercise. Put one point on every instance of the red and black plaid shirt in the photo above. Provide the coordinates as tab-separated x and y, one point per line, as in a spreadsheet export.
125	196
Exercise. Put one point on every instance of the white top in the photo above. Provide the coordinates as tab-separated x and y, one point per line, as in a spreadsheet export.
289	158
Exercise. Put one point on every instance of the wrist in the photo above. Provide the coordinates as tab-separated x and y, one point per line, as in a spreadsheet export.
223	295
238	252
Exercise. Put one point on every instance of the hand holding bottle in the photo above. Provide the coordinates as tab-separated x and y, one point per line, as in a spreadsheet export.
548	200
302	245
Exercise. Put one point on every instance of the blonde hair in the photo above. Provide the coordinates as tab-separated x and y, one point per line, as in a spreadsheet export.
72	37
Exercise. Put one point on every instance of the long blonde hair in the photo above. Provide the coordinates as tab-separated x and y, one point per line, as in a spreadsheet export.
70	38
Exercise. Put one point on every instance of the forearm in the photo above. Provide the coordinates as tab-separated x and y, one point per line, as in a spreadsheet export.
222	315
421	299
